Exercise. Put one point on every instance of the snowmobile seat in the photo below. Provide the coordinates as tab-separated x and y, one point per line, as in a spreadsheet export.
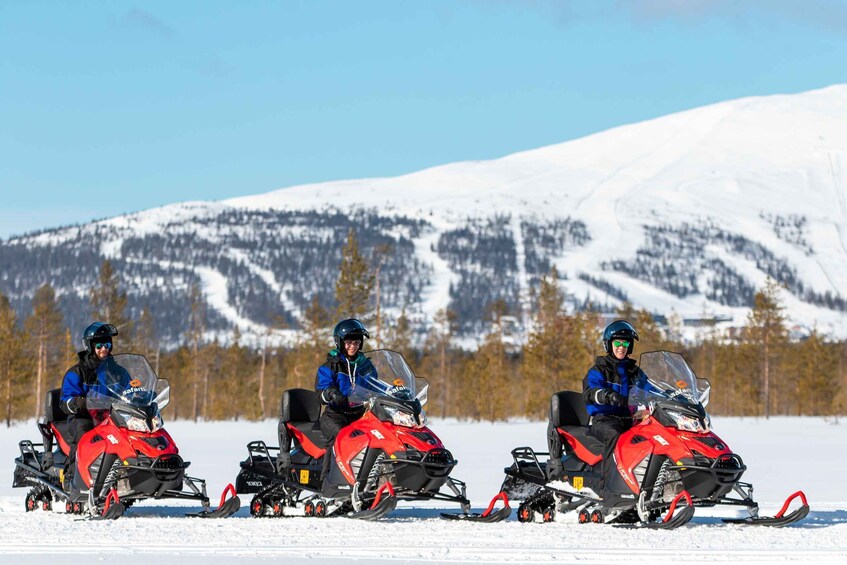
301	409
55	416
568	409
568	413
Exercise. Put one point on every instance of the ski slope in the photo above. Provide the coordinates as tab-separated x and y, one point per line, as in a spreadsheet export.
782	454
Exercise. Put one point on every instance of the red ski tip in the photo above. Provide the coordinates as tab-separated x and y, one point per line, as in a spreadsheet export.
672	509
383	488
111	498
788	501
500	496
228	490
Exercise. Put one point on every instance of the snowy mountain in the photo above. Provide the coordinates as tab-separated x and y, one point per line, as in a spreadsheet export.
687	214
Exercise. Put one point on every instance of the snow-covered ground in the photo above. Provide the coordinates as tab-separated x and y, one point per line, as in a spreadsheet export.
783	455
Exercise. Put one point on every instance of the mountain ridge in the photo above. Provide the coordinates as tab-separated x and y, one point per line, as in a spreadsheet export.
686	213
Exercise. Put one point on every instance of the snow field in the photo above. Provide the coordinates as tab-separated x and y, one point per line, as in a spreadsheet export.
783	455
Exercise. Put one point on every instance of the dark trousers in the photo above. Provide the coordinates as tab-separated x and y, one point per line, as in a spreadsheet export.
608	429
331	422
556	449
77	427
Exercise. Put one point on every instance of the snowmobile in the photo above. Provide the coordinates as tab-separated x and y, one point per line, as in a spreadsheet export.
389	454
127	457
667	464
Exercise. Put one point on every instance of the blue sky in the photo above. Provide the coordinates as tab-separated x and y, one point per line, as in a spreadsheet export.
113	107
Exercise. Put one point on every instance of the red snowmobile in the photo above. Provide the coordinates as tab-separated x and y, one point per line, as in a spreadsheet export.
387	455
668	463
127	457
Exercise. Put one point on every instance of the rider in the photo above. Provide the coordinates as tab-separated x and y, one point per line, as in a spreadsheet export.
605	391
81	379
344	366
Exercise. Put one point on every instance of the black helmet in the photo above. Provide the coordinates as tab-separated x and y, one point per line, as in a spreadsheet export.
619	329
99	332
349	329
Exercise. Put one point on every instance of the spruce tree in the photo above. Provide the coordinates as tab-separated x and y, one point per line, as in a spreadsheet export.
814	382
355	282
767	334
108	303
45	330
12	361
439	364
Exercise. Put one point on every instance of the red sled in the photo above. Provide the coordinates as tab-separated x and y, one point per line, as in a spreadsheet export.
666	465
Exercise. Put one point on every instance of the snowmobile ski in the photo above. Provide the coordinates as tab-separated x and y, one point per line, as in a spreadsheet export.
381	505
781	518
227	506
489	515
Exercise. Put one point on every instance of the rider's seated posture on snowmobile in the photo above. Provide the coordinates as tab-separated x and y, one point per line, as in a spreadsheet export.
82	379
606	388
345	366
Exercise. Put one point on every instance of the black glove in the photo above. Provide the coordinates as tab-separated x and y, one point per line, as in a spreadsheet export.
75	404
613	398
334	397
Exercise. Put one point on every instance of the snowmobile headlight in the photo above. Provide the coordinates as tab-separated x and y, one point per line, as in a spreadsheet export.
139	424
687	423
422	420
400	417
136	424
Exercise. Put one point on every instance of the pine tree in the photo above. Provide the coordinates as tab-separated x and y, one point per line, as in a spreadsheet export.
108	302
12	359
45	329
311	347
816	387
543	359
355	282
766	332
145	342
197	331
439	363
380	254
400	336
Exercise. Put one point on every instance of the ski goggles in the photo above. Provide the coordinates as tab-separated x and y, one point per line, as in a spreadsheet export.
621	343
107	345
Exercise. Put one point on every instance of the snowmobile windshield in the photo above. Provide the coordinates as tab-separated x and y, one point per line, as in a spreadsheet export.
129	379
666	376
389	375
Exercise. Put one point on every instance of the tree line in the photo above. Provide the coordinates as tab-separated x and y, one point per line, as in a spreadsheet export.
758	371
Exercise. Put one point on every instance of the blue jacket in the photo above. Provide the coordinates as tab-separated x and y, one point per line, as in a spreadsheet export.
341	372
83	378
609	373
